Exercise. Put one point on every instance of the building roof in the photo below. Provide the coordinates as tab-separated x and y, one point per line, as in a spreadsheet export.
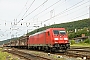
81	38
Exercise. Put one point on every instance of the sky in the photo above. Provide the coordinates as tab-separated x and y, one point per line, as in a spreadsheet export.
17	17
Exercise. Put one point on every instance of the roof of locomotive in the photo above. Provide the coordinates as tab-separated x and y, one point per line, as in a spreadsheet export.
47	30
37	33
56	28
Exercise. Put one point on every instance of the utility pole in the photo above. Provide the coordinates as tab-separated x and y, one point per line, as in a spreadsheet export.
27	27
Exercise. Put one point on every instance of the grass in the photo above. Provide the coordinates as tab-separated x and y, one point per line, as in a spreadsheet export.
81	45
5	55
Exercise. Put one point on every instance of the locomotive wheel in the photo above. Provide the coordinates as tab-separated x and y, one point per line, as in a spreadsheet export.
46	49
39	48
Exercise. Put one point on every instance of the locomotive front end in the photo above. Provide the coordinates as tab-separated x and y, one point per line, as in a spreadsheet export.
60	39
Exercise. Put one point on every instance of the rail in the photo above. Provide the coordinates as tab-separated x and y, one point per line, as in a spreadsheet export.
25	55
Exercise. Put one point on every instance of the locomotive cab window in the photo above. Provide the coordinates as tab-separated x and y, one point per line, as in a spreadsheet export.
56	32
62	32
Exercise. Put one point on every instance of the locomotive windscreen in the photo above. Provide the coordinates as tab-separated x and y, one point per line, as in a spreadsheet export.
59	31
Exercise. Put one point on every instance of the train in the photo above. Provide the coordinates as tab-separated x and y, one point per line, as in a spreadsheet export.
51	39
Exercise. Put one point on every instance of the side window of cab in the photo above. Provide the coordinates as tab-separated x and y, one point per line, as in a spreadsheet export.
48	33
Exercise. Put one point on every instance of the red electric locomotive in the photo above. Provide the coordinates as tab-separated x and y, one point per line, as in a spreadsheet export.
50	39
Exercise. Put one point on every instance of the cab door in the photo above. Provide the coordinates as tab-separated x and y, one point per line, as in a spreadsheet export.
48	39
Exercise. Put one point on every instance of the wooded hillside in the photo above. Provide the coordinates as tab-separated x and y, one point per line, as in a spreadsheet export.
70	26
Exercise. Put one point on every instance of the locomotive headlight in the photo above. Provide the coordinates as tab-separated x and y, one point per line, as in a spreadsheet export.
55	38
65	38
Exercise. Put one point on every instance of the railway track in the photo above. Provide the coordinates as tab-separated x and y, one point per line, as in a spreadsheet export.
83	53
25	55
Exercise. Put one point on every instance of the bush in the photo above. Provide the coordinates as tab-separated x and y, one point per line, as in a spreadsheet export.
72	42
87	41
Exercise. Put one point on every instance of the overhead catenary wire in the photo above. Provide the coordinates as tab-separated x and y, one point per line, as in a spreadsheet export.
68	14
66	10
47	8
35	9
32	11
60	12
79	16
22	9
83	8
28	8
49	11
